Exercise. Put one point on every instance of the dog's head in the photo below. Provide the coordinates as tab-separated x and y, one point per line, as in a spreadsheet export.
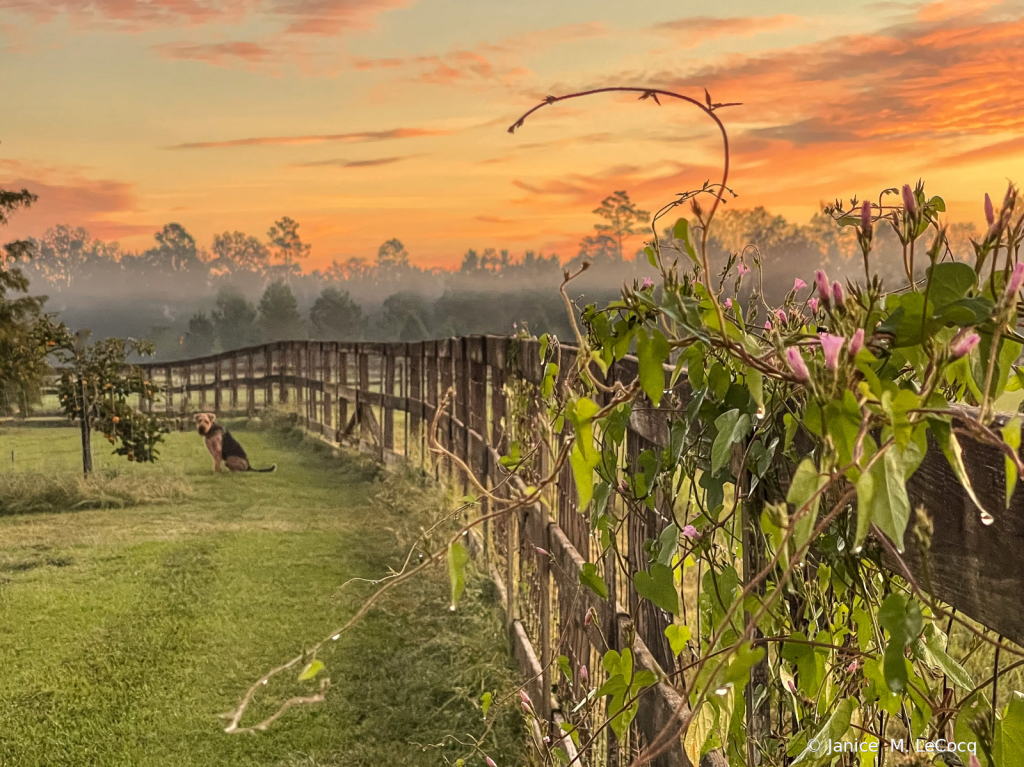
204	422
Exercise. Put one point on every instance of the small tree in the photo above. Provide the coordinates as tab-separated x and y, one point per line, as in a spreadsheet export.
96	388
335	315
279	314
288	246
201	335
234	320
392	258
622	217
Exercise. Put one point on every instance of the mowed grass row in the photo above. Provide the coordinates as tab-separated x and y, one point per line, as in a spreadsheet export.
126	632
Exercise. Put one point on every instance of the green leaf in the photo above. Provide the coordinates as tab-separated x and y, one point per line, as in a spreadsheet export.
583	474
951	281
903	620
652	352
950	445
458	558
1008	748
832	731
547	385
590	578
935	654
732	427
668	544
882	499
311	670
678	636
658	587
806	482
681	231
1011	436
698	731
486	701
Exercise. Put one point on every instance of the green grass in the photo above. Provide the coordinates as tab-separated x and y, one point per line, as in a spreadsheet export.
125	632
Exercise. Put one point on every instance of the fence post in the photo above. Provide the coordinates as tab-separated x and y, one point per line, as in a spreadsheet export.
282	368
186	389
250	386
388	391
328	403
169	384
364	386
217	364
234	381
342	401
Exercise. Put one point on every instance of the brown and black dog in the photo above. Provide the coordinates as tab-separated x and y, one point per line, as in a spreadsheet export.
222	446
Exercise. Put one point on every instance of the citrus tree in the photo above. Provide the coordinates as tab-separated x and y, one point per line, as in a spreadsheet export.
97	388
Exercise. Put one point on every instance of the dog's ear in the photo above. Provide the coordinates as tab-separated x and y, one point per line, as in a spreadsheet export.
196	417
213	417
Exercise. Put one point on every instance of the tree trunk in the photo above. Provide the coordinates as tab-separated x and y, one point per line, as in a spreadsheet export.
86	436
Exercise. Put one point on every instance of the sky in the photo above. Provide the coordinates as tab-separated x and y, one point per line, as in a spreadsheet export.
370	119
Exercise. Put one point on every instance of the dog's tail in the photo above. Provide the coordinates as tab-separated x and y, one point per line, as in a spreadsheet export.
272	468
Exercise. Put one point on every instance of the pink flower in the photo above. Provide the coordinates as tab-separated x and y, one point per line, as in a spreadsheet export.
623	487
584	676
908	200
852	668
798	284
728	303
821	282
962	343
691	532
490	762
857	342
542	551
831	345
837	293
791	686
780	316
524	698
589	618
813	303
865	216
990	213
1016	281
973	761
796	363
743	269
767	324
648	283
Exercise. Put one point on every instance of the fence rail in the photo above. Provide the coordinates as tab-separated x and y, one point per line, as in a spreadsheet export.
357	393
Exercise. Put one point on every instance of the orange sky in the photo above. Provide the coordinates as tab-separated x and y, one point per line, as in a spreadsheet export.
371	119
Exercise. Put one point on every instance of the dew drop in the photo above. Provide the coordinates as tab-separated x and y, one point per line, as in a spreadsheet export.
451	608
335	637
986	518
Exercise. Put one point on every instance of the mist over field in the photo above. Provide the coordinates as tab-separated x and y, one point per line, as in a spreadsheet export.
190	299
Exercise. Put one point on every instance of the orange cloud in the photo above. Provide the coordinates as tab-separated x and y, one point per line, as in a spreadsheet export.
350	163
218	54
691	32
347	138
67	196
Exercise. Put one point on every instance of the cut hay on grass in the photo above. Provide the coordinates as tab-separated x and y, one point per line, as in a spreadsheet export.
25	492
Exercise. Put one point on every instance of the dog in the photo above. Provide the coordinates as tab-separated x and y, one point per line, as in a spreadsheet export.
222	446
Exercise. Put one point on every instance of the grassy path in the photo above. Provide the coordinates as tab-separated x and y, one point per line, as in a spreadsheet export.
124	633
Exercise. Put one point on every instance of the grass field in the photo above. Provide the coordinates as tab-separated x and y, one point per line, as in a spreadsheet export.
125	632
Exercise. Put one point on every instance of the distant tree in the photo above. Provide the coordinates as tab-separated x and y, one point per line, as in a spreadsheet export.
392	258
287	247
470	261
201	335
175	256
597	248
335	316
353	270
406	317
622	217
26	335
279	318
61	255
234	320
236	252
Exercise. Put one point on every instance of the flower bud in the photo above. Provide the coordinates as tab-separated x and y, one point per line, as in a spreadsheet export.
973	761
490	762
1015	282
780	316
524	698
691	532
821	282
584	676
857	342
813	304
837	294
865	217
728	303
908	200
648	282
742	269
990	213
831	346
963	343
796	363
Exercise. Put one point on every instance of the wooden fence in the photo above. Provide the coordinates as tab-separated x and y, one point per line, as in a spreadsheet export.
383	397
